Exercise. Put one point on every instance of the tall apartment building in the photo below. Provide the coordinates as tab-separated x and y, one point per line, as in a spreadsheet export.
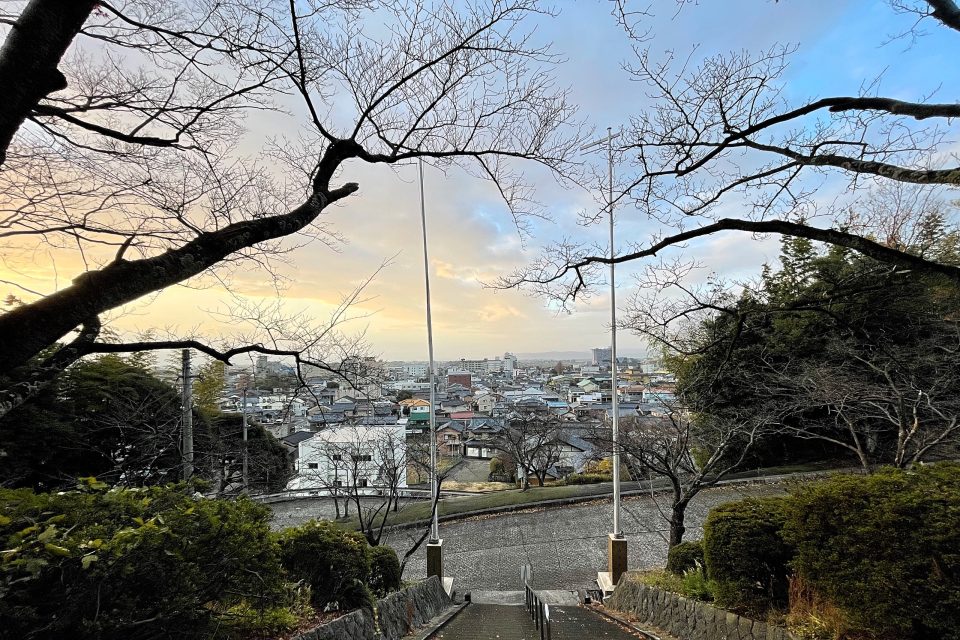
601	356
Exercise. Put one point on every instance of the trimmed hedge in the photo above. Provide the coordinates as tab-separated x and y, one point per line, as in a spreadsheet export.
685	556
587	478
384	571
882	551
884	548
746	556
335	563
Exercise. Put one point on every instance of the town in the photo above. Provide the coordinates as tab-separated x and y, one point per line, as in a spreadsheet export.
378	414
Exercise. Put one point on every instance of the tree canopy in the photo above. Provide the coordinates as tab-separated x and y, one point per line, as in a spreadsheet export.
725	146
857	356
122	126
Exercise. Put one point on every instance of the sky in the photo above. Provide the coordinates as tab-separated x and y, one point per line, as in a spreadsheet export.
841	44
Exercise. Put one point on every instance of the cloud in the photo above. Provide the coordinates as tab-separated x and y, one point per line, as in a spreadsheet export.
471	236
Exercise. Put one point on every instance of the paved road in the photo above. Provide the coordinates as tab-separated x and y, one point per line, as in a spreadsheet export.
566	546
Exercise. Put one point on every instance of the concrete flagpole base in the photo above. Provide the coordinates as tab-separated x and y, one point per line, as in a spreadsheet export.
616	564
435	559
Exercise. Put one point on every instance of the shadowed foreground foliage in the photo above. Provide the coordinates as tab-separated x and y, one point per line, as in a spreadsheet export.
157	562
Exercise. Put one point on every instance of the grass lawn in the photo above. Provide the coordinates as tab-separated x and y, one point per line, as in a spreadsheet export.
420	510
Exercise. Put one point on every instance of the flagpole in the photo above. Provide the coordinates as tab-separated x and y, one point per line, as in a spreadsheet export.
434	544
434	528
617	544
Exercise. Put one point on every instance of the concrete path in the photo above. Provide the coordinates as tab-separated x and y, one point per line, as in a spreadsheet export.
579	623
470	470
506	622
489	622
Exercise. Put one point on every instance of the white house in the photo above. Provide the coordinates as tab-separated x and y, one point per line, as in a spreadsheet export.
352	456
487	402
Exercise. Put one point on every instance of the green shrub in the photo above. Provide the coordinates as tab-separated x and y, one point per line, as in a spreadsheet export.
661	579
131	563
685	556
335	563
692	584
884	548
695	585
746	556
384	571
587	478
497	467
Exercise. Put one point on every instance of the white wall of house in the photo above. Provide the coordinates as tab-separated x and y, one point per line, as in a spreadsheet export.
486	403
352	456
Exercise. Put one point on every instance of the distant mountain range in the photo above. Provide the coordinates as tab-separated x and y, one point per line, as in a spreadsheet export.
576	355
548	356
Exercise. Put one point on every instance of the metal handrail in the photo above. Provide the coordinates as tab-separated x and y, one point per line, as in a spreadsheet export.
537	608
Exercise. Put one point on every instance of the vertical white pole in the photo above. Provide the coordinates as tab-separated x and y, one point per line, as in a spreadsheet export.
187	416
244	470
613	351
435	527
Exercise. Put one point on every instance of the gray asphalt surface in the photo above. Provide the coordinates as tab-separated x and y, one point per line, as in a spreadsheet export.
566	546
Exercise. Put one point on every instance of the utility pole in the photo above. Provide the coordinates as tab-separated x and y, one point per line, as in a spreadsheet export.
187	401
244	476
617	544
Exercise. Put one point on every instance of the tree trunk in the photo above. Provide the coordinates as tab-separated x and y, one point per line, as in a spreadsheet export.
30	328
29	58
678	513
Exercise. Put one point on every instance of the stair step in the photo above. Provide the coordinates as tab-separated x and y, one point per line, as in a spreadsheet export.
553	597
508	598
489	622
479	621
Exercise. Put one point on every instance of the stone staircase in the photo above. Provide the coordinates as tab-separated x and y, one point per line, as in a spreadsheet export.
501	615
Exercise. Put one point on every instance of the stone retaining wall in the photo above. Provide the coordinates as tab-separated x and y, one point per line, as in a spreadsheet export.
403	611
396	615
685	618
356	625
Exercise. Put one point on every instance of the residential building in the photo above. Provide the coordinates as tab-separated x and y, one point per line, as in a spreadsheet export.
416	410
352	456
415	369
450	438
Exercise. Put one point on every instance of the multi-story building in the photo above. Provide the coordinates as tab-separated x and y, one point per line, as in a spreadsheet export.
415	369
459	376
601	356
